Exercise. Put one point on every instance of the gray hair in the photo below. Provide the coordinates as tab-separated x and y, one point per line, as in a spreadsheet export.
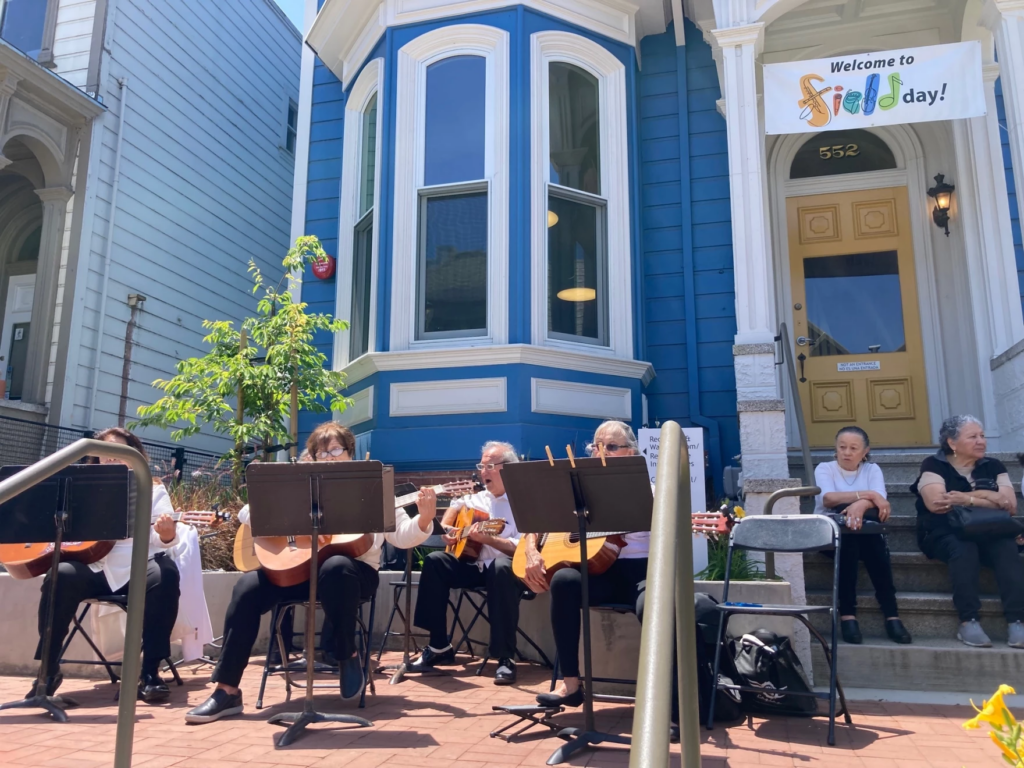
952	427
624	430
508	451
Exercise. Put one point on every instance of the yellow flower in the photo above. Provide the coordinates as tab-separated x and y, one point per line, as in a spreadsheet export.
1009	753
993	711
738	511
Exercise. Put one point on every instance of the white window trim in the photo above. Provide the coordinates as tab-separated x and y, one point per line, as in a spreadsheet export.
546	47
410	120
366	86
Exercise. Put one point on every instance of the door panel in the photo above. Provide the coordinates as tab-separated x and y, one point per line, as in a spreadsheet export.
856	317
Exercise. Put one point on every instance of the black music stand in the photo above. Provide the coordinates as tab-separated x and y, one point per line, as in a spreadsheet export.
318	499
591	497
83	502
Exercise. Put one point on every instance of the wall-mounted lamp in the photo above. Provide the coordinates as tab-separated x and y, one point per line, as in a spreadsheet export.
552	218
577	294
943	194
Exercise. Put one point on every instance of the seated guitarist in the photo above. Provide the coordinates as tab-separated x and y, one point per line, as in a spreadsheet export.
624	582
344	583
493	569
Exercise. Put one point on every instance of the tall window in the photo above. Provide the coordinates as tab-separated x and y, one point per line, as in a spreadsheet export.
577	213
453	202
22	25
291	130
362	248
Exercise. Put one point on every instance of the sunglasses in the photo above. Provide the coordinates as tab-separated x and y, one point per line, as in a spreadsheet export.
489	466
329	454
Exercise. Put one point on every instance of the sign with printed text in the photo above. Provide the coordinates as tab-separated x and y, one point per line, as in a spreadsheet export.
910	85
649	440
867	365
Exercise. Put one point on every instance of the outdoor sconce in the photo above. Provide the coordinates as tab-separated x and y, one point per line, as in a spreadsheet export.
943	194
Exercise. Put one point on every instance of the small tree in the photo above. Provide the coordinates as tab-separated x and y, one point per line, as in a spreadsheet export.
279	352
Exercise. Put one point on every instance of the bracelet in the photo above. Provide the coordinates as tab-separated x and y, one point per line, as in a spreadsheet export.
858	495
972	502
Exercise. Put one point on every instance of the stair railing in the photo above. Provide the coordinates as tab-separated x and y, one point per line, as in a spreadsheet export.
669	580
131	661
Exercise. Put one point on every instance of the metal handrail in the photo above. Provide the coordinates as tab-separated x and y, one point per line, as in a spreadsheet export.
131	661
669	576
798	411
782	493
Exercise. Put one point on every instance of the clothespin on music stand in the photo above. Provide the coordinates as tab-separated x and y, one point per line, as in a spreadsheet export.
600	451
572	460
367	456
551	459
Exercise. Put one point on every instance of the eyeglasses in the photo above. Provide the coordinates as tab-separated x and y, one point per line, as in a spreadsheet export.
328	454
489	466
594	448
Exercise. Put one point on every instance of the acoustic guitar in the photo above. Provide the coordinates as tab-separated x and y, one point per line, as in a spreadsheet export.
26	561
286	558
562	550
465	548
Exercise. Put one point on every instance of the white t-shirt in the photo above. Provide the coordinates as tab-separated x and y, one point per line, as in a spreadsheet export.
407	534
832	478
496	507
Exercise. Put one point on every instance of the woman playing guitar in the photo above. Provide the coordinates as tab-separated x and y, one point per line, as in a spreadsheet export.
108	576
344	582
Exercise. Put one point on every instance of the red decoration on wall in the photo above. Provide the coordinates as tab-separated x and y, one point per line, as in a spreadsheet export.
324	269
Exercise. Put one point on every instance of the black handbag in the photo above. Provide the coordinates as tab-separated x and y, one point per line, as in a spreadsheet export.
767	662
983	524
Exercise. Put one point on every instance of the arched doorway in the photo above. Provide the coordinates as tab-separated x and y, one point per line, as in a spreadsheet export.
854	272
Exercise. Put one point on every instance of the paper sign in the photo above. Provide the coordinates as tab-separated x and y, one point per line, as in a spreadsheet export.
649	441
867	365
910	85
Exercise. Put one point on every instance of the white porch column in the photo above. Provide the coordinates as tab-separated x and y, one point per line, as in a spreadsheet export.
1005	19
991	264
40	334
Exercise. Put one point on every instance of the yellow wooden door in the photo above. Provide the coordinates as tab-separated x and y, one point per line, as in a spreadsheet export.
856	319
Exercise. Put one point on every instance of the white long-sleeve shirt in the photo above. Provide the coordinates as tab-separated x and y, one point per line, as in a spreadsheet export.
407	534
117	565
496	507
832	478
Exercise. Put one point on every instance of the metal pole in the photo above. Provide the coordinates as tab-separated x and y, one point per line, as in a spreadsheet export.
131	662
654	678
798	411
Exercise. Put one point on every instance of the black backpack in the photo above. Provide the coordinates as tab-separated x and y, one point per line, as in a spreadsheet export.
727	703
764	660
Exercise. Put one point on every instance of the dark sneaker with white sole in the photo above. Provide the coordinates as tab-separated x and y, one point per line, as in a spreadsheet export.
220	704
352	679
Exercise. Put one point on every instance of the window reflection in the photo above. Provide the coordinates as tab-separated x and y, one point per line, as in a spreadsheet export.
575	269
573	100
854	304
22	25
453	282
454	148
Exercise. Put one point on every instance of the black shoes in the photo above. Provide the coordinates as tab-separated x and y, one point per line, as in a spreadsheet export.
431	658
851	631
220	704
897	632
506	674
152	688
574	699
52	684
352	679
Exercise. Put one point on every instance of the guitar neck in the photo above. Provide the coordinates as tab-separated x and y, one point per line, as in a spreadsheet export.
411	498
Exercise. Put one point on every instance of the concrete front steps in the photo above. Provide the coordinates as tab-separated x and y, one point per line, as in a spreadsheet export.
936	661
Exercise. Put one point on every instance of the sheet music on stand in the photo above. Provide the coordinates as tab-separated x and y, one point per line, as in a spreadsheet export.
318	499
593	497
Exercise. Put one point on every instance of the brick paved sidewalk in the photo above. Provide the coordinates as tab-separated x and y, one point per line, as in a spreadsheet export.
446	721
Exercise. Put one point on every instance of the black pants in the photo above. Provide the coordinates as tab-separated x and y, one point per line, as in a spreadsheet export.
872	550
442	573
965	559
77	582
344	583
624	583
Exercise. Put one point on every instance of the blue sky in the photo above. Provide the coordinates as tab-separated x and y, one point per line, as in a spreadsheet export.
293	10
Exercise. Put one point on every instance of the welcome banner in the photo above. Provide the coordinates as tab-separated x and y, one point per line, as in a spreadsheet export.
911	85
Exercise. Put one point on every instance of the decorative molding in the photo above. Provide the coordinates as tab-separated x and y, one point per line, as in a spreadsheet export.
414	57
25	119
345	31
1003	358
359	97
546	47
570	398
507	354
455	396
359	410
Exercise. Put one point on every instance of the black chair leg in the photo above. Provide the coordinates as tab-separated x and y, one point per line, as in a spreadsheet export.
266	663
174	671
77	628
365	638
391	619
723	619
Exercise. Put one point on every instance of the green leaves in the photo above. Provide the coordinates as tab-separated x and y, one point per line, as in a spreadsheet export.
278	351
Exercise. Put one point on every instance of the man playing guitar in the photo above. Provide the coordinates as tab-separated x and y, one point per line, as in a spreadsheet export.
344	583
493	569
624	582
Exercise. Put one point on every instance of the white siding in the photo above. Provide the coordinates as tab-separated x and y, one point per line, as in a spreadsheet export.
72	40
204	185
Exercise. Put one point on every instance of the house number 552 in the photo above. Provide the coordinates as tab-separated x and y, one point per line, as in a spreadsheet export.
838	151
